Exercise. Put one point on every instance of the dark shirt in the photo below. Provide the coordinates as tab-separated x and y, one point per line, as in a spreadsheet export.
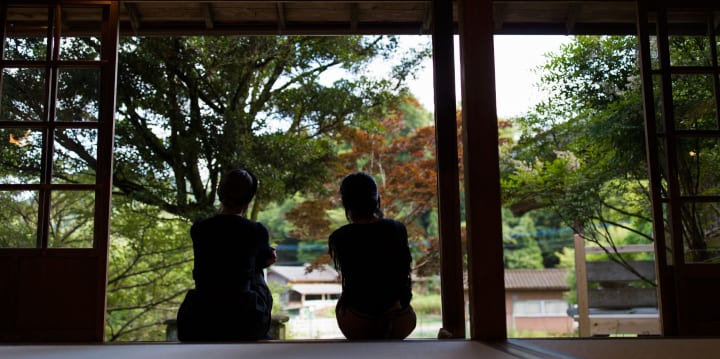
230	251
374	261
231	301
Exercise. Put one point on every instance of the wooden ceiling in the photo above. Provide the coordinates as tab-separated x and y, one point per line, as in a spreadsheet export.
269	17
365	17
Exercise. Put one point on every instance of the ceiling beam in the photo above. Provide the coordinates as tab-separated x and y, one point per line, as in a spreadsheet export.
428	18
63	20
354	16
282	18
133	15
499	16
273	16
207	12
571	18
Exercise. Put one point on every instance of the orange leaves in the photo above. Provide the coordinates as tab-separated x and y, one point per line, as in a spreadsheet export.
400	155
310	220
21	141
404	161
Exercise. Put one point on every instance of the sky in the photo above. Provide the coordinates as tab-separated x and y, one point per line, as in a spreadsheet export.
516	58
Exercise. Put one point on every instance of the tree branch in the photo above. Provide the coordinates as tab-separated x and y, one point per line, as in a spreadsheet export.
154	269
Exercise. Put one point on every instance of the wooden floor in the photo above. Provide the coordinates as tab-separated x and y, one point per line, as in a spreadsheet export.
409	349
637	348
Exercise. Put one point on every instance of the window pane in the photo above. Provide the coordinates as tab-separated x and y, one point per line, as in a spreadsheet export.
690	50
71	219
556	307
663	163
80	48
694	102
23	91
26	33
657	94
701	232
75	155
654	57
81	30
527	307
18	214
698	165
78	92
20	155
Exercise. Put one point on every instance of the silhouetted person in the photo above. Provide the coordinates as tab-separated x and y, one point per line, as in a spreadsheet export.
373	257
231	300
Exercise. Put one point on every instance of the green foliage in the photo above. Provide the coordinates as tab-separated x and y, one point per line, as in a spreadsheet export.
71	219
150	271
414	116
581	152
273	218
190	108
521	248
277	288
430	221
223	102
426	304
567	261
309	250
19	218
217	103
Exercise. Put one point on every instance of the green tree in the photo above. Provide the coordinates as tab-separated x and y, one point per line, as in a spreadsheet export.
150	269
222	102
581	151
71	221
192	107
19	217
522	250
694	109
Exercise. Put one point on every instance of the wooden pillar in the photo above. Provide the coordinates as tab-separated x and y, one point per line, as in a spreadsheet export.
106	136
581	286
451	256
663	264
482	172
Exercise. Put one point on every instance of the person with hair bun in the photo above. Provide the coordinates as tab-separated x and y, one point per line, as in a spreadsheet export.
373	258
231	300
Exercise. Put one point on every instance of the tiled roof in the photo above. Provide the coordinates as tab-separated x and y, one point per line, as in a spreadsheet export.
297	274
536	279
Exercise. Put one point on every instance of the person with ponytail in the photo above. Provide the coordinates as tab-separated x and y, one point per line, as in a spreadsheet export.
373	257
231	300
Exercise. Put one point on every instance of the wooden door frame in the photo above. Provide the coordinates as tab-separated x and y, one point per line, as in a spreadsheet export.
678	281
58	294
